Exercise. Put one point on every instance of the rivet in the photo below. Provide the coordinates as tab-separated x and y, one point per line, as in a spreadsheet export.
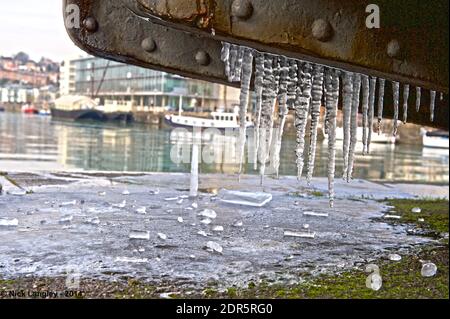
202	58
322	30
90	24
242	9
393	49
148	44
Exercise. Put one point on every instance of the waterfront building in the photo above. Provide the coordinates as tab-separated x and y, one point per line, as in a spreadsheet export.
142	90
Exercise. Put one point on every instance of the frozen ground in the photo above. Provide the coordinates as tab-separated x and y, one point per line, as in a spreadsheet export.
43	246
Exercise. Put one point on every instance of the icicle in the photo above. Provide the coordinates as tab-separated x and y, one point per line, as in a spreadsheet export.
347	109
418	97
302	104
267	110
233	56
332	91
259	74
380	103
405	102
238	64
247	69
282	104
396	95
354	124
373	86
432	103
365	109
317	92
292	85
225	57
325	115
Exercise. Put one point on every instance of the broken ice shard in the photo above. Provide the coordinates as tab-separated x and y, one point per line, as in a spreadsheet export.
162	236
138	234
218	228
92	221
9	222
66	220
132	260
395	257
208	213
308	213
254	199
206	221
202	233
214	247
307	234
428	269
120	205
71	203
141	210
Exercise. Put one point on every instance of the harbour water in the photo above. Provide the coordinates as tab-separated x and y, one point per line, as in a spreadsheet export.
35	143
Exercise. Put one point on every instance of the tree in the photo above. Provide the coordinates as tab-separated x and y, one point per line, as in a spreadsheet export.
22	57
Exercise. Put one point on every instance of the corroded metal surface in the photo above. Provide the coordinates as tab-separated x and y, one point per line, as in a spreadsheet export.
411	46
110	30
183	37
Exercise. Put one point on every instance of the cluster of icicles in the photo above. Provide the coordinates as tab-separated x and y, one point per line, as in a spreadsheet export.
304	87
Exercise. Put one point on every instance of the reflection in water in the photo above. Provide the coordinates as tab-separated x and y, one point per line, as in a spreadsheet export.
39	143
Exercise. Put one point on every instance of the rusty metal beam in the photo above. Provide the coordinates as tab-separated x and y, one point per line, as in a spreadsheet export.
121	30
110	30
410	47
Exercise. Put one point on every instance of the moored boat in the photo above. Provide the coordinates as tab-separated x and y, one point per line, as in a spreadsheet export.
29	109
435	139
218	120
75	107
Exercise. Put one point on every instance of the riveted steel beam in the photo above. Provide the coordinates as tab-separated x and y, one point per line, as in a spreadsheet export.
125	31
111	30
411	45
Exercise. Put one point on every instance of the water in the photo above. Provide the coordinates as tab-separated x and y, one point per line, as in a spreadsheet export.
33	143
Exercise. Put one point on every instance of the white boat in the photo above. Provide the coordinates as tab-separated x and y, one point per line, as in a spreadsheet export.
376	138
219	120
435	139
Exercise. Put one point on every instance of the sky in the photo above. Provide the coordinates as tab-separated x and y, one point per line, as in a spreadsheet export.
35	27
